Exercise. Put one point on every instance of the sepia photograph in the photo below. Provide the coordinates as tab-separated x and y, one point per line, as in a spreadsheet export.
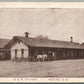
42	42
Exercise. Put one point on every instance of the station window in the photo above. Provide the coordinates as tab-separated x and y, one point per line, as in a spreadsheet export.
22	51
15	51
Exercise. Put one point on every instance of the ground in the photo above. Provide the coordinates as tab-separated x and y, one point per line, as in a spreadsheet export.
61	68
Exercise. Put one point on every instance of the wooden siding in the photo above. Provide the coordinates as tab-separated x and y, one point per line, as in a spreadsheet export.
59	53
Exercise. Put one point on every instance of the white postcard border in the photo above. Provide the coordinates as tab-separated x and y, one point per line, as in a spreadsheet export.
41	5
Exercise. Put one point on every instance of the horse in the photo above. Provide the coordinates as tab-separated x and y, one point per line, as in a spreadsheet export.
41	57
44	57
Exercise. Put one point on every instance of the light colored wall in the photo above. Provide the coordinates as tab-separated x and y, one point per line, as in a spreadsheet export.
19	46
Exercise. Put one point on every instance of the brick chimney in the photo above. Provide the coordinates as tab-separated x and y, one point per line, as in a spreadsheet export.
71	39
26	34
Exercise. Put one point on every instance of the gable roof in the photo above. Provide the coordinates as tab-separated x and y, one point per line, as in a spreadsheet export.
3	42
47	43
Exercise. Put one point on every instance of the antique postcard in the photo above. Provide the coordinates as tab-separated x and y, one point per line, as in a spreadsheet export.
42	42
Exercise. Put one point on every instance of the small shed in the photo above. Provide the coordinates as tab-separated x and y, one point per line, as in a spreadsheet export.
4	53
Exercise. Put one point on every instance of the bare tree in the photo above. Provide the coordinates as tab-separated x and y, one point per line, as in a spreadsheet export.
41	37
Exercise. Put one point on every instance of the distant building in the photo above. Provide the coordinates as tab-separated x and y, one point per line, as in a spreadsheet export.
4	52
28	48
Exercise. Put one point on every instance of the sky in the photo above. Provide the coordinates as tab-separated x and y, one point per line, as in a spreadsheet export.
56	23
